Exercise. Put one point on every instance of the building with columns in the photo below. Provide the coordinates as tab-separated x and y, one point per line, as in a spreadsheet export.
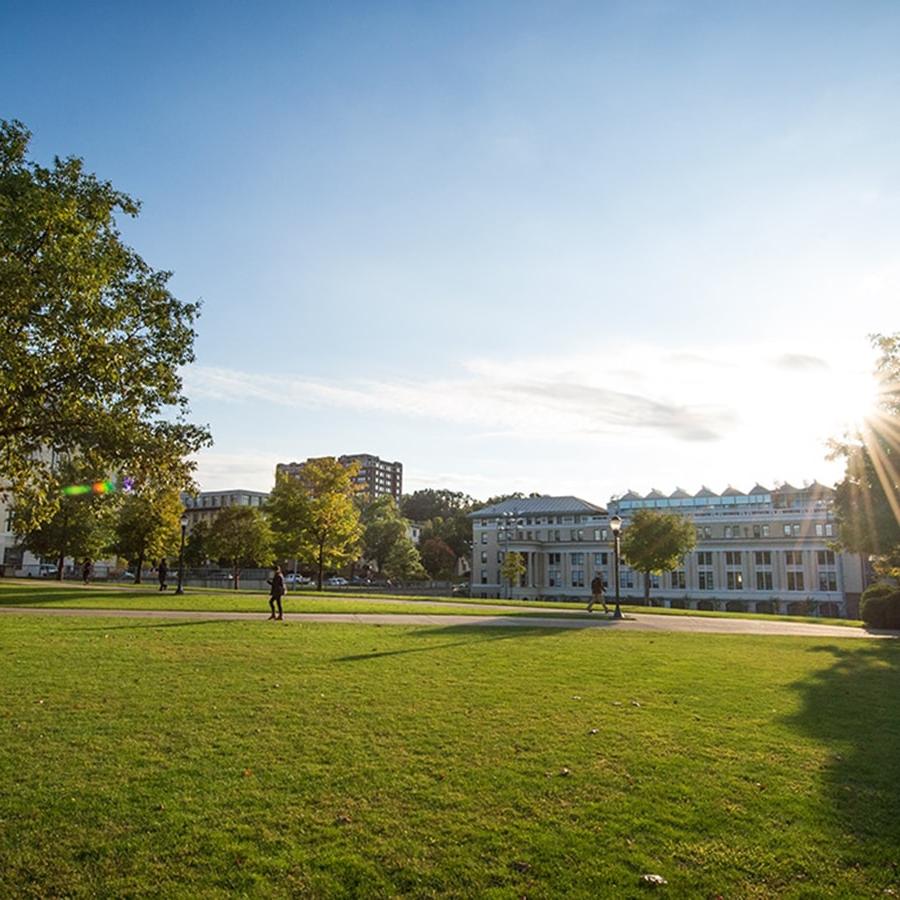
766	551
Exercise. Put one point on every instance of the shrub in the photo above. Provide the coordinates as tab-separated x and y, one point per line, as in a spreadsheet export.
880	606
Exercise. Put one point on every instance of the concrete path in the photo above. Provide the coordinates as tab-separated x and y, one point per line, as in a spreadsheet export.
634	622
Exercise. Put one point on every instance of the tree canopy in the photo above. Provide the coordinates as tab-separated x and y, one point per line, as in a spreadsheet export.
241	535
91	339
867	500
383	528
148	526
656	542
314	516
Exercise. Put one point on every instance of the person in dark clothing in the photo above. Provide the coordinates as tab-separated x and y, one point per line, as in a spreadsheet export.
276	593
597	593
86	571
162	572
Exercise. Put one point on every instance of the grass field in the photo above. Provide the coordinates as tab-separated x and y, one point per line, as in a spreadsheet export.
27	592
214	759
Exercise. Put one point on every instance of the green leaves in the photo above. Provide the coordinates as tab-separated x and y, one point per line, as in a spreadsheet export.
91	339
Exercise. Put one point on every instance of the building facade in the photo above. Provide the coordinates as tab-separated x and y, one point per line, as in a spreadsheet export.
376	477
206	505
766	551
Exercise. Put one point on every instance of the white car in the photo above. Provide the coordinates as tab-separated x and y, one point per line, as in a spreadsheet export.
297	579
336	581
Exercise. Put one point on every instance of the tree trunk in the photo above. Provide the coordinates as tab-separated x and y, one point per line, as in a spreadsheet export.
647	588
320	564
139	567
59	566
237	576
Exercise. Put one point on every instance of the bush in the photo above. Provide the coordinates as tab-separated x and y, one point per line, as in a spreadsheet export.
880	606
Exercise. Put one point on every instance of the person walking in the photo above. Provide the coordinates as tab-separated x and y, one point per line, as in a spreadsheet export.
162	573
86	571
276	593
598	589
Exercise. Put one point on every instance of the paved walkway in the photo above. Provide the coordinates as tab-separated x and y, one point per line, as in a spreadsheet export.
634	622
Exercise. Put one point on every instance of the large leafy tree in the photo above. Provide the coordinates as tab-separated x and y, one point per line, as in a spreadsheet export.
81	527
196	548
148	526
383	528
314	516
403	561
438	558
91	339
867	500
429	503
656	542
241	535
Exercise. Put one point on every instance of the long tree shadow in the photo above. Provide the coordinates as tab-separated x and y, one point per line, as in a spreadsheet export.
853	707
481	636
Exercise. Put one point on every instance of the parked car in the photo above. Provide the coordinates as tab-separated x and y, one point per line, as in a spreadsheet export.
336	581
297	580
48	570
461	590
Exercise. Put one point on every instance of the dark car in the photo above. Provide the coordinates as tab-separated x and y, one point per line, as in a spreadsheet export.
462	590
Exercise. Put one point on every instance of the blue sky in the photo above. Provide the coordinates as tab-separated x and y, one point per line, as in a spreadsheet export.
563	247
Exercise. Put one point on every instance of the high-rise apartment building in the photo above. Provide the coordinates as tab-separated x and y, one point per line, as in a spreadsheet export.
376	476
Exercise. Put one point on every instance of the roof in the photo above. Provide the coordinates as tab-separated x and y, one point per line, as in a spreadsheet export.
679	494
530	506
655	495
732	492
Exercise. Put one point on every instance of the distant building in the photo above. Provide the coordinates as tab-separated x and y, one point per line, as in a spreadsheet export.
767	550
376	476
205	506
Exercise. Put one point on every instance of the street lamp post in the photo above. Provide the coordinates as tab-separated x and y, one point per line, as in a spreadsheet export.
180	588
615	524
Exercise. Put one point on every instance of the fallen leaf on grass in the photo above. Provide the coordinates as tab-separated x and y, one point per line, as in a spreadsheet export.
653	880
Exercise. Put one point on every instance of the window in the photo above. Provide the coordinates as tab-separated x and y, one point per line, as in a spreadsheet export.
820	529
756	531
601	559
654	582
577	559
827	581
765	530
577	577
705	581
732	531
795	530
499	557
733	558
483	537
679	582
626	578
764	581
829	529
795	581
763	557
484	556
793	558
735	581
484	576
554	559
704	558
825	557
707	531
787	530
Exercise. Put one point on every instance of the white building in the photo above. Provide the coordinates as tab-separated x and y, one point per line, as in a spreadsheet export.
762	551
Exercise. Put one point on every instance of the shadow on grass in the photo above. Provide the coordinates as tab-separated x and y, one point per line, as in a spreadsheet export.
452	631
192	623
853	707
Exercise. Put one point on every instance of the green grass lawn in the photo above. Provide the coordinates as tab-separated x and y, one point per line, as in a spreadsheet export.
252	758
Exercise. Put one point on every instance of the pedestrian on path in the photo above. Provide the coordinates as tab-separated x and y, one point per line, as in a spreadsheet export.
598	589
276	593
86	571
162	573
